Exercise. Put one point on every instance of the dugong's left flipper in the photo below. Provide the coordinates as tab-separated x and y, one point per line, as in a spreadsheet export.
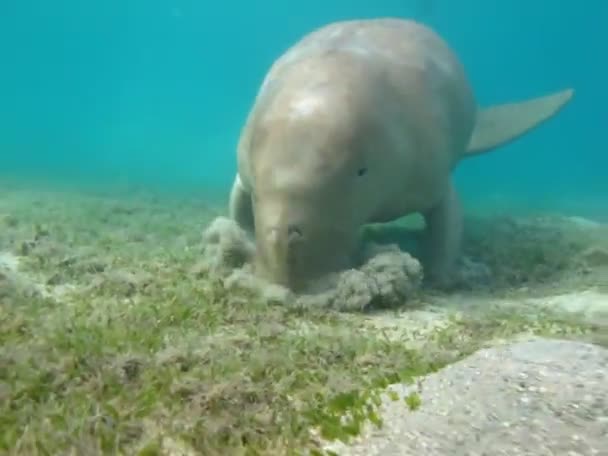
241	210
443	237
498	125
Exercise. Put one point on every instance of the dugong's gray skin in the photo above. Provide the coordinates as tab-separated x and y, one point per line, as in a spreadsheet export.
360	122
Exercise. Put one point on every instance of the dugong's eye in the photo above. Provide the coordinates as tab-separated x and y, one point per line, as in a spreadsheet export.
361	172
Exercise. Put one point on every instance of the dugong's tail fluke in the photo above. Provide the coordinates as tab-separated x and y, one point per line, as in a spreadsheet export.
501	124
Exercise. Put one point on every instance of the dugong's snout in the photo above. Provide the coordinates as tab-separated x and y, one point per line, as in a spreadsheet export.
279	254
295	256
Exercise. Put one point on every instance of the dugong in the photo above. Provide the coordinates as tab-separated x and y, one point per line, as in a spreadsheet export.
363	121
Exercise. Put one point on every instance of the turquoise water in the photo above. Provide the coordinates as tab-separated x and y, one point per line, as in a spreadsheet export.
156	91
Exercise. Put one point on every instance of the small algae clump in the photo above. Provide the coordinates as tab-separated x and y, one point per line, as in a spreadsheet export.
413	401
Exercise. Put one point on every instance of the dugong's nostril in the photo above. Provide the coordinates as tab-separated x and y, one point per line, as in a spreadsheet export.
276	235
272	235
293	233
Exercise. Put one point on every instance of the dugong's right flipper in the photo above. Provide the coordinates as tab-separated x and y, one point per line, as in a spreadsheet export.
443	238
501	124
241	210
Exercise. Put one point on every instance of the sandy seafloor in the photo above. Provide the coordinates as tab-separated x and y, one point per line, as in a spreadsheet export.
90	280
